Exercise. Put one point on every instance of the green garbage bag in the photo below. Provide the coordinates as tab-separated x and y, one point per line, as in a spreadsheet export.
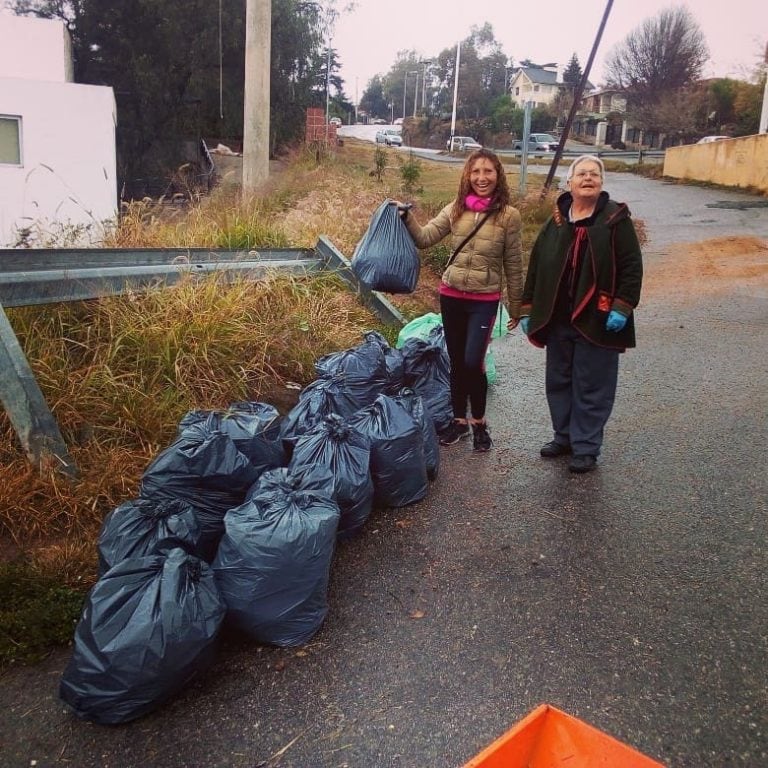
499	331
490	366
500	324
419	327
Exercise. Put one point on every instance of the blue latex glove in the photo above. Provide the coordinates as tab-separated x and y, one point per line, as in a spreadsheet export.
615	322
525	322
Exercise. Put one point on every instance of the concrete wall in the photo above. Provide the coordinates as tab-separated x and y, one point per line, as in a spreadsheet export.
35	49
66	185
739	162
65	189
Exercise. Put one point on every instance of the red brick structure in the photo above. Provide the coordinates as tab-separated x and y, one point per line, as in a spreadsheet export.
316	128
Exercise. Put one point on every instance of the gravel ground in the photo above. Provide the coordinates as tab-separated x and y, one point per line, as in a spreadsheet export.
633	598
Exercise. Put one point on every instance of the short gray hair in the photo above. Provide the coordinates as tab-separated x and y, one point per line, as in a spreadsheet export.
582	159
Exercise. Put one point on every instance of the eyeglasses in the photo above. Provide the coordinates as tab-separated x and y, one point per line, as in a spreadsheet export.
591	174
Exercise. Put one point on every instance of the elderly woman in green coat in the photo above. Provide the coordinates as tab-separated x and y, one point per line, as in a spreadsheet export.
582	286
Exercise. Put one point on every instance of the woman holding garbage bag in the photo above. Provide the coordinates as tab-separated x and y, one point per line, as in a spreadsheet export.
484	232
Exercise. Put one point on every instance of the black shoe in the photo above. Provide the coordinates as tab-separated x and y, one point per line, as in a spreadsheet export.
481	440
554	449
582	464
454	432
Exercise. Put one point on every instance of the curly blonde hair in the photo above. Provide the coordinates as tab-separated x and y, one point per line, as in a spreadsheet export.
501	197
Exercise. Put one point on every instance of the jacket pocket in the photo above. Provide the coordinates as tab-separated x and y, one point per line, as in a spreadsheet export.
604	302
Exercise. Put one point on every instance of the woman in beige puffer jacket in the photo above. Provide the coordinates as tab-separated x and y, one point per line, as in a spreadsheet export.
485	240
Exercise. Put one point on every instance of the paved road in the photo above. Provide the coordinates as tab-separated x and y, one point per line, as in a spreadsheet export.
633	598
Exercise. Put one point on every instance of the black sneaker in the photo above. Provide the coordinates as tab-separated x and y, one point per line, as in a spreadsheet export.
553	449
454	432
481	440
581	464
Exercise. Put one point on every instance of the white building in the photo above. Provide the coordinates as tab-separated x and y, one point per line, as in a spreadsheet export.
58	167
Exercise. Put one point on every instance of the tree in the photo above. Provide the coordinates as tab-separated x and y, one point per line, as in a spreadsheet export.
373	101
664	53
572	74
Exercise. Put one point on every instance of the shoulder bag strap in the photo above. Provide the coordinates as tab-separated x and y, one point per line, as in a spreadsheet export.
474	231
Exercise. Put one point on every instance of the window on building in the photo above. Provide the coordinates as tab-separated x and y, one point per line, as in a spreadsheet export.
10	140
517	90
535	88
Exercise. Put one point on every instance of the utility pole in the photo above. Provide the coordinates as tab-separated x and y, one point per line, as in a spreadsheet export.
258	44
576	100
763	128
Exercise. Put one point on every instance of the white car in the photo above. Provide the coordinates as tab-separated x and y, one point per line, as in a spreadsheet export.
462	144
708	139
335	121
389	136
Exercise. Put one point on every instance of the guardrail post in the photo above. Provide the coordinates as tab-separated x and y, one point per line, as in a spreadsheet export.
335	261
25	405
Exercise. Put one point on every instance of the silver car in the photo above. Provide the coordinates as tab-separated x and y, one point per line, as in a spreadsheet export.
462	144
539	142
389	136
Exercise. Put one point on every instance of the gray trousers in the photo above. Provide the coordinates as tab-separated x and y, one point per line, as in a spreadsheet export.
581	388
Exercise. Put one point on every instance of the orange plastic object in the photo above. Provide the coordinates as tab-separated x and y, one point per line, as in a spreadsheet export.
549	738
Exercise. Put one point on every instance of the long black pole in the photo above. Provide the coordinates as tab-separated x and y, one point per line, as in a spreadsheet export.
576	100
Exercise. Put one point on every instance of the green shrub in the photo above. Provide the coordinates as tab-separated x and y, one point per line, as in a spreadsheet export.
37	613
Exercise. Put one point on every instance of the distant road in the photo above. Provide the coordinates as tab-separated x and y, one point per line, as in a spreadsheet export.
572	148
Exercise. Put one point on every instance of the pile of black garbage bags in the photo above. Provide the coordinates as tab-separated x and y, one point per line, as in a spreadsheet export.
237	521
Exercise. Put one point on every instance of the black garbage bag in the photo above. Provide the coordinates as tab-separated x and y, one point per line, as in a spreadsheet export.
150	624
254	428
386	258
205	469
393	359
316	401
274	560
346	453
362	371
398	465
414	404
428	373
147	527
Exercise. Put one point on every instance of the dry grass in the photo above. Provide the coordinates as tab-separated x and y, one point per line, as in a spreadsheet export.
119	373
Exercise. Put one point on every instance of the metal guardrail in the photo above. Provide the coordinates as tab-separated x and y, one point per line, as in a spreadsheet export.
626	155
42	276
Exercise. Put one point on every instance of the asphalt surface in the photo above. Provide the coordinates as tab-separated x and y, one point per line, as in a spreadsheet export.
633	598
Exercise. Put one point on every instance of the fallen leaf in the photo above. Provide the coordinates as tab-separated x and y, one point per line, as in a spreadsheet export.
417	614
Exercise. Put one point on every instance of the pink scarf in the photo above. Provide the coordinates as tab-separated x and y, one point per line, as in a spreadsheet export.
477	204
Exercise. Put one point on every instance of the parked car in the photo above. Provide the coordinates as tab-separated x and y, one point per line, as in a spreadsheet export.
378	121
389	136
335	121
707	139
538	142
398	121
462	144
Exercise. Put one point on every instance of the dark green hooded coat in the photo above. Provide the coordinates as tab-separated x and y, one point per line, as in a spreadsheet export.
609	272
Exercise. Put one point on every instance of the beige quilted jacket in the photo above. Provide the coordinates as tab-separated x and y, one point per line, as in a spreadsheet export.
491	259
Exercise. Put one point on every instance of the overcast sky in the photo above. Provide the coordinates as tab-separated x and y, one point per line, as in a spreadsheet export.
368	38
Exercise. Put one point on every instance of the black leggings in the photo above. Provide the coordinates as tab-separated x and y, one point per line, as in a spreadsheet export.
468	325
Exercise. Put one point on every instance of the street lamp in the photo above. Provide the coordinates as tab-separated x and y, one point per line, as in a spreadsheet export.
455	92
